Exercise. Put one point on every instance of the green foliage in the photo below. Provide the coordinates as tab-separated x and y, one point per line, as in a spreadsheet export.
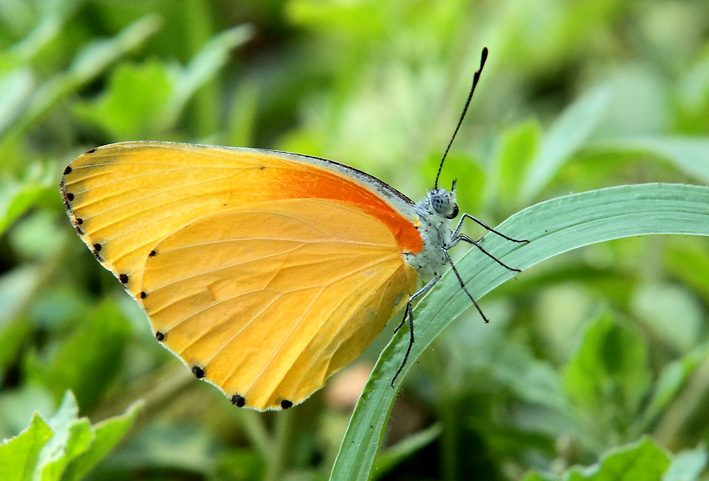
64	447
597	354
608	372
87	360
643	461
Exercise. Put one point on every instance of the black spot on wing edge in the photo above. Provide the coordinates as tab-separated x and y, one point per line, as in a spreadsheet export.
65	196
198	372
67	170
123	278
285	404
160	336
91	151
238	401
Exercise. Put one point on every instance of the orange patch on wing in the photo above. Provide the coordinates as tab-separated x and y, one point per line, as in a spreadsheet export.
301	181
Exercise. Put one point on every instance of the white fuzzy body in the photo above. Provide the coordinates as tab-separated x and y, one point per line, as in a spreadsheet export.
434	213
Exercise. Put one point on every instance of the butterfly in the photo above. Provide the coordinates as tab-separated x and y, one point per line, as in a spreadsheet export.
264	271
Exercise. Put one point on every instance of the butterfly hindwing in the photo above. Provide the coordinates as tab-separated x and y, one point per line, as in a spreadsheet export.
268	301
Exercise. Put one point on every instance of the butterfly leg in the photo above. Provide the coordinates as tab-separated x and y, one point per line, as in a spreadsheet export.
415	295
456	235
408	313
462	283
470	240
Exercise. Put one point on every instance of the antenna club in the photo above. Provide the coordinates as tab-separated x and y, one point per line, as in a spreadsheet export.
476	77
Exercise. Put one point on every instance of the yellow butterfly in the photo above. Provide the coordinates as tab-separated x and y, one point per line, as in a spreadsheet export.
264	271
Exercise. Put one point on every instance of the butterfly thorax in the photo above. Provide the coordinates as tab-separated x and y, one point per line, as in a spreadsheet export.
435	212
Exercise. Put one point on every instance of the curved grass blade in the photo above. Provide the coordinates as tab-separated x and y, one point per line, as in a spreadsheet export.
553	227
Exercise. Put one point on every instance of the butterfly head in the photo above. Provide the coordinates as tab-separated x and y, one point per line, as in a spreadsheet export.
442	202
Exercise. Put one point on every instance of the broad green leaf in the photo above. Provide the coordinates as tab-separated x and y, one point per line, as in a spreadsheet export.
64	448
77	441
133	105
553	227
687	465
63	426
106	435
19	455
609	370
642	461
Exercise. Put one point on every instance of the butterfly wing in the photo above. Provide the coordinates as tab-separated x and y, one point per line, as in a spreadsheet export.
264	272
269	300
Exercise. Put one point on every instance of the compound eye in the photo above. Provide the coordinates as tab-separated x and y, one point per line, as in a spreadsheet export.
453	213
439	203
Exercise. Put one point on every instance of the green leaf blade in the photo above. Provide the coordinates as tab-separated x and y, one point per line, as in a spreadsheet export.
553	227
19	455
106	435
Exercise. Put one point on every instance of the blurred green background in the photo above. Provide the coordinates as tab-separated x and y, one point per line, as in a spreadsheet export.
586	352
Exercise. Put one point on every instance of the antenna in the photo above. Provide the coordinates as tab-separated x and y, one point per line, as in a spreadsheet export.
476	77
